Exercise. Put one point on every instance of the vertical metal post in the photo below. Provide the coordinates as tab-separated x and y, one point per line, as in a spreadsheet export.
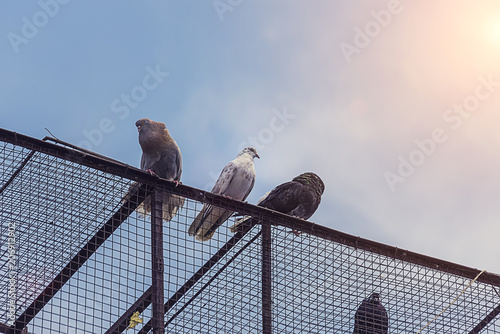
157	268
266	279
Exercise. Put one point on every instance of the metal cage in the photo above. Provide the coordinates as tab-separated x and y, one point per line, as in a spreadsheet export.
78	258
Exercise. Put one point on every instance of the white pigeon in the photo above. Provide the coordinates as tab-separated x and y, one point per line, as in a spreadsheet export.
235	181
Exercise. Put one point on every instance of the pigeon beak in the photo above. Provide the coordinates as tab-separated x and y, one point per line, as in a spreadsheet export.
257	156
139	128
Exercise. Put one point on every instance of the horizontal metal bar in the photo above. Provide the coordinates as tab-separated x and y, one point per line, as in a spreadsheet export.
389	251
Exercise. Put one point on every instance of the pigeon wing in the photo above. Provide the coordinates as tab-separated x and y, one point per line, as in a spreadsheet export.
307	203
284	198
221	185
217	217
235	181
280	199
200	218
169	163
225	178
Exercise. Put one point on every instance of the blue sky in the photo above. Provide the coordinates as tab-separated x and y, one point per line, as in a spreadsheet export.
393	103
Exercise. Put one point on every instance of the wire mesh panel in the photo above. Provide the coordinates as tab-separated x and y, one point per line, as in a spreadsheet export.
319	284
55	208
226	298
87	244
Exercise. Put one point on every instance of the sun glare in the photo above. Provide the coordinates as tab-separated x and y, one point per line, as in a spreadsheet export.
492	32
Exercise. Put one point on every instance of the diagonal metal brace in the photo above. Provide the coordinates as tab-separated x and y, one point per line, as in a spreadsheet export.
199	274
139	306
489	318
213	278
78	261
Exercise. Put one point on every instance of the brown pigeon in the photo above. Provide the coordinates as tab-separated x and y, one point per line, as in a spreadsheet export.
162	157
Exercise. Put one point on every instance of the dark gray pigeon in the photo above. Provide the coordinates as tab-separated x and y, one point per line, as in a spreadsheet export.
371	317
235	181
162	157
299	197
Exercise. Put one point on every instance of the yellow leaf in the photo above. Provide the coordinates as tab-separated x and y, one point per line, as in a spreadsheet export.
134	320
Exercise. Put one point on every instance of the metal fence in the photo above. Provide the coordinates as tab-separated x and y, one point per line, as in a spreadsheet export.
77	258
